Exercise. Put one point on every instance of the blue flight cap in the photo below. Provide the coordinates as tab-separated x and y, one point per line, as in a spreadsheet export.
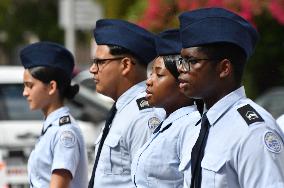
213	25
168	42
47	54
128	35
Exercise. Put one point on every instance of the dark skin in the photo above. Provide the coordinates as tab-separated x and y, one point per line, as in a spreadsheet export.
208	80
163	89
60	178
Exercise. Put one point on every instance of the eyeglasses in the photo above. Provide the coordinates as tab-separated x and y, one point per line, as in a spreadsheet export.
186	62
100	62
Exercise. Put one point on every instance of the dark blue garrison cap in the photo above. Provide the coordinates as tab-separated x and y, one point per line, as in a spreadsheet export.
213	25
128	35
168	42
47	54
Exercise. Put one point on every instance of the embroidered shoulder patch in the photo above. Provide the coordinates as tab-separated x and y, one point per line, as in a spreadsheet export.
67	139
142	103
273	142
64	120
249	114
153	123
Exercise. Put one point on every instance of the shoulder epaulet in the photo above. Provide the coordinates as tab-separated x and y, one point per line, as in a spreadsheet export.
142	103
64	120
249	114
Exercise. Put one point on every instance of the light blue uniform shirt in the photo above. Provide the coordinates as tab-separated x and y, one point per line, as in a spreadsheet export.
160	162
280	121
60	147
132	125
244	147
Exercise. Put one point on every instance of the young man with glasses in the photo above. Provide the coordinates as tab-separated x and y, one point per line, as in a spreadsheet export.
120	70
239	143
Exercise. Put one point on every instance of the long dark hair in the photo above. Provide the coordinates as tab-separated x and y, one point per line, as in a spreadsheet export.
47	74
170	64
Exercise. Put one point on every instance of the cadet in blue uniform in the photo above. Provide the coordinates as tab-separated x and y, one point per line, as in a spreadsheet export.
59	158
239	143
160	162
122	55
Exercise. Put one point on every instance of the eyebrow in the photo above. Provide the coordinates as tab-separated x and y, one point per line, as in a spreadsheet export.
191	57
157	68
27	83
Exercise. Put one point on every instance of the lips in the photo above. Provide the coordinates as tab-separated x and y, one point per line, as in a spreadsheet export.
182	83
95	80
149	94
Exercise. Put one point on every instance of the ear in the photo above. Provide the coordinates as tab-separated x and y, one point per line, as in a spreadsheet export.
225	68
126	65
52	87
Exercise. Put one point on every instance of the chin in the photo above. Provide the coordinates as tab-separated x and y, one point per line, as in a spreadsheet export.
33	108
150	101
99	90
186	92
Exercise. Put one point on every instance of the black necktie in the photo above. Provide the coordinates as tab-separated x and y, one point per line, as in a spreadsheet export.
44	131
109	119
158	128
197	153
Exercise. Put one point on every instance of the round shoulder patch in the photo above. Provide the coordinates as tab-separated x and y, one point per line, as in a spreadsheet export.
153	123
67	139
273	142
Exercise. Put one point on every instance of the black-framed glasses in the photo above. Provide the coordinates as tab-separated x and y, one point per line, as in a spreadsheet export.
99	62
185	63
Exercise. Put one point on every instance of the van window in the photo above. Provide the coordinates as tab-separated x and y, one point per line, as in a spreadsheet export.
13	104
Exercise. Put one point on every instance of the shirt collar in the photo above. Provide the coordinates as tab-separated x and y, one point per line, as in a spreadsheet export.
224	104
55	115
129	95
178	114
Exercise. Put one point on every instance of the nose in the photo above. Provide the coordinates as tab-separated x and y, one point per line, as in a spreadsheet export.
93	69
149	81
179	68
25	92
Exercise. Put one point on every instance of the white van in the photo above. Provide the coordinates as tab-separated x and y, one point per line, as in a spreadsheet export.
21	127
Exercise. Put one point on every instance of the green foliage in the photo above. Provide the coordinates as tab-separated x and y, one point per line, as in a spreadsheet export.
20	18
117	8
136	10
266	67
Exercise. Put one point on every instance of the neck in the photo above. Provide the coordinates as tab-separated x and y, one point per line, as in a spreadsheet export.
182	102
210	101
51	108
125	85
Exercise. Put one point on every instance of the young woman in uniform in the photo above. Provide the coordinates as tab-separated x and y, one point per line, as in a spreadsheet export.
161	160
59	159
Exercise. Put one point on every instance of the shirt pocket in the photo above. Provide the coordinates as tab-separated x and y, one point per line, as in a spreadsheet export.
212	171
115	158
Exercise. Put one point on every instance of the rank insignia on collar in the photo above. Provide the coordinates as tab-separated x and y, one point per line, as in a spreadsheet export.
142	103
249	114
64	120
